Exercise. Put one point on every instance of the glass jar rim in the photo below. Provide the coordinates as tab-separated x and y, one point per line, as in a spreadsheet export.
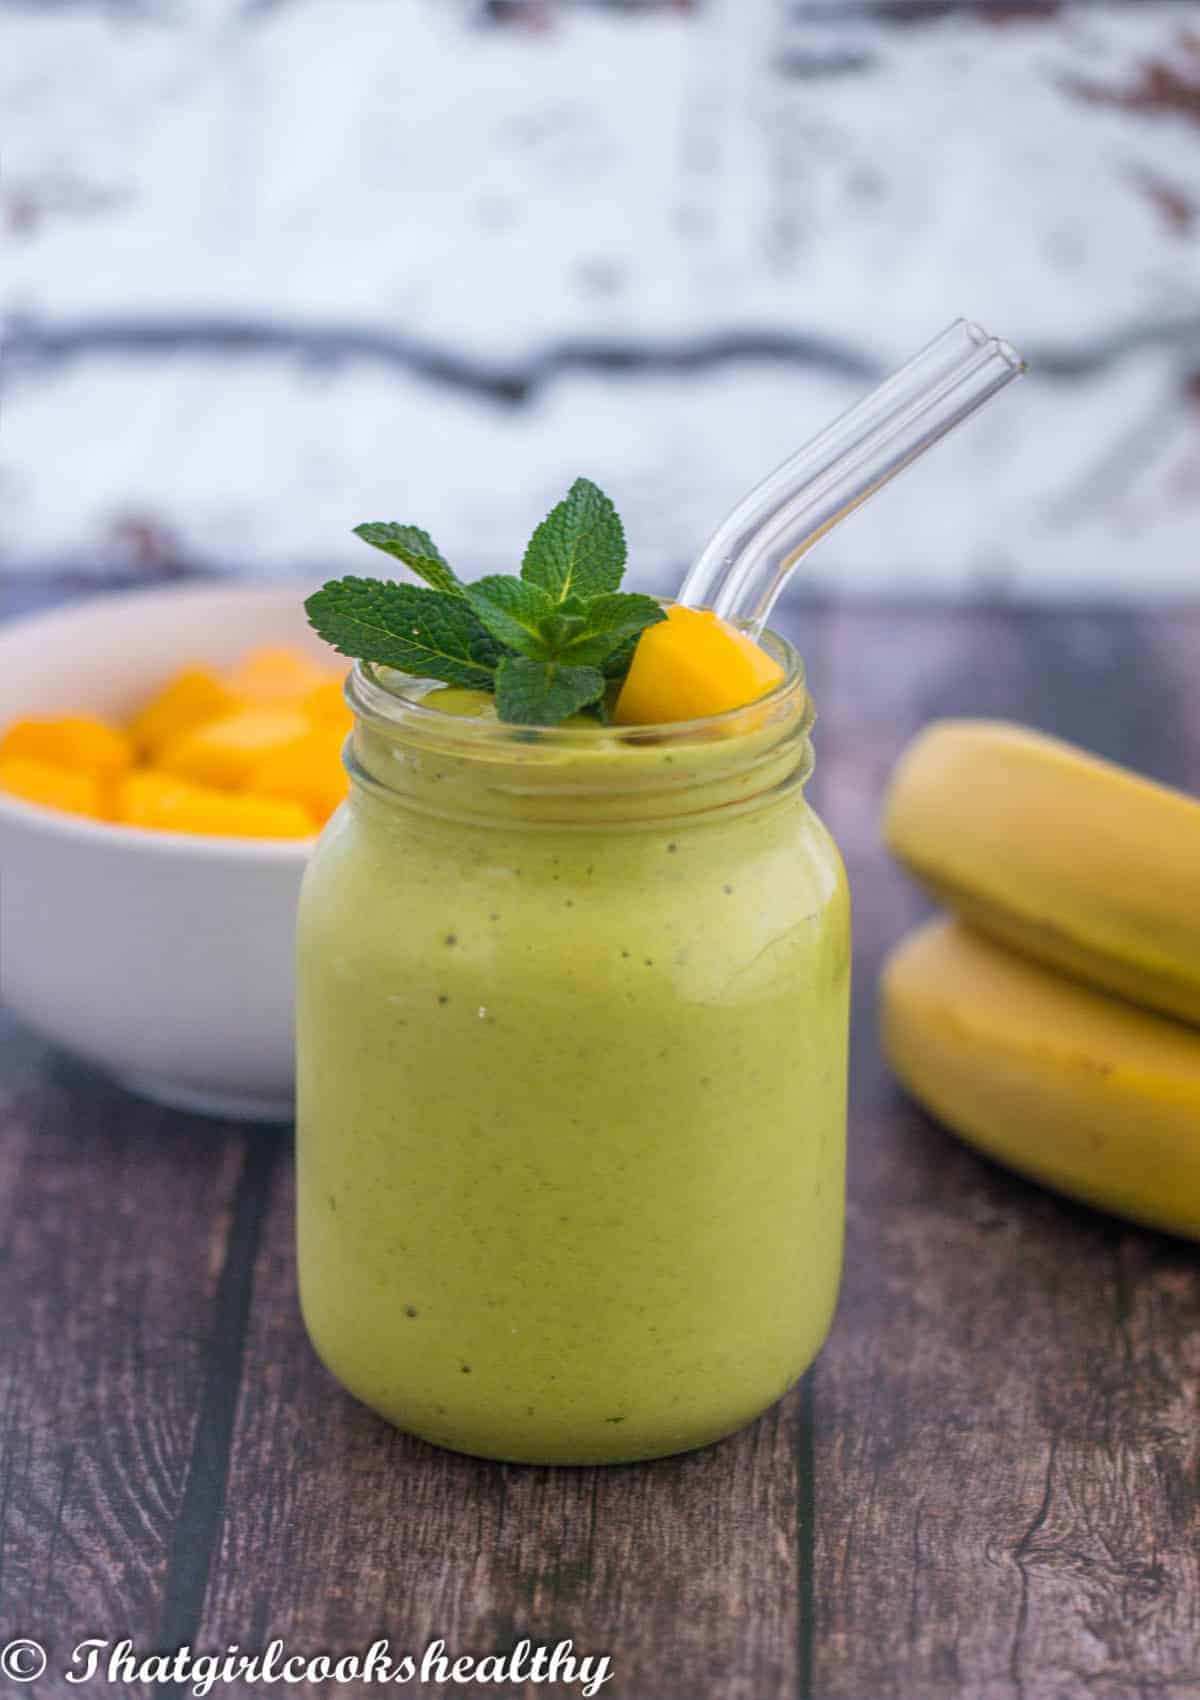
374	699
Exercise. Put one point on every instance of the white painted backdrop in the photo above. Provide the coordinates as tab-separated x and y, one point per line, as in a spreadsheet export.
271	269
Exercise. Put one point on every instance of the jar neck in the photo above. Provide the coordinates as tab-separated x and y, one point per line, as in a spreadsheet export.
407	755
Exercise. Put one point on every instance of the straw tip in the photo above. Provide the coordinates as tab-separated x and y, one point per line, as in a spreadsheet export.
997	345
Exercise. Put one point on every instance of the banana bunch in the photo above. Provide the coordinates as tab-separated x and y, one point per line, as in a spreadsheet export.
1054	1022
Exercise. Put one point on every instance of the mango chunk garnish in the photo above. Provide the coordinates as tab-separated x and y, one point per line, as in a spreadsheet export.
275	676
80	743
224	752
187	700
162	802
690	665
308	771
62	788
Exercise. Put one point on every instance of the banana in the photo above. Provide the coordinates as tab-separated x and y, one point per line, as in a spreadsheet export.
1068	858
1079	1090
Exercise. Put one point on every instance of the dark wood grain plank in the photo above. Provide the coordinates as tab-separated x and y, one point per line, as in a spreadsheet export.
1005	1456
1175	651
987	1488
202	1507
1111	1575
114	1218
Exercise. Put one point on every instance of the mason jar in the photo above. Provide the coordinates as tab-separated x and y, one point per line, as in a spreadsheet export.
572	1046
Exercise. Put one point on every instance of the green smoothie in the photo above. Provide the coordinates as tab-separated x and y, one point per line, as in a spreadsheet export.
572	1030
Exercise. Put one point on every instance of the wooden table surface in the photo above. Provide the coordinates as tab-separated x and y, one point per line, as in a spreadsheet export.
987	1487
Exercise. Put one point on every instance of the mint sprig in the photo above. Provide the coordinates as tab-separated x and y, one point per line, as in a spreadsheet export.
543	693
579	548
517	614
408	543
605	623
418	631
548	644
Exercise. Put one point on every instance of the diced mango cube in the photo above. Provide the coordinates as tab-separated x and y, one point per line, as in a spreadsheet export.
82	743
225	752
326	705
309	771
63	788
187	700
275	676
160	801
146	794
693	664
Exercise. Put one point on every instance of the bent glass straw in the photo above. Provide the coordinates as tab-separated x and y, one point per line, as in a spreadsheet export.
751	555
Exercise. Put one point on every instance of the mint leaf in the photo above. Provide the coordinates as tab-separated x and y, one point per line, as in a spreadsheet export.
543	693
579	548
621	659
562	629
611	621
426	632
514	612
408	543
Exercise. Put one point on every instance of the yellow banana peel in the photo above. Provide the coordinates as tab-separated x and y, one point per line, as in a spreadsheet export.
1070	859
1075	1088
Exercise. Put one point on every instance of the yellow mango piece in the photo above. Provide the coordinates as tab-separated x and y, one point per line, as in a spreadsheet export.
325	705
81	743
187	700
692	664
54	787
147	793
275	676
309	771
225	752
161	802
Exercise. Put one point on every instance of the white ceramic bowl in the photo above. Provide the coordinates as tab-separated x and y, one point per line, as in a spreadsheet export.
165	958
